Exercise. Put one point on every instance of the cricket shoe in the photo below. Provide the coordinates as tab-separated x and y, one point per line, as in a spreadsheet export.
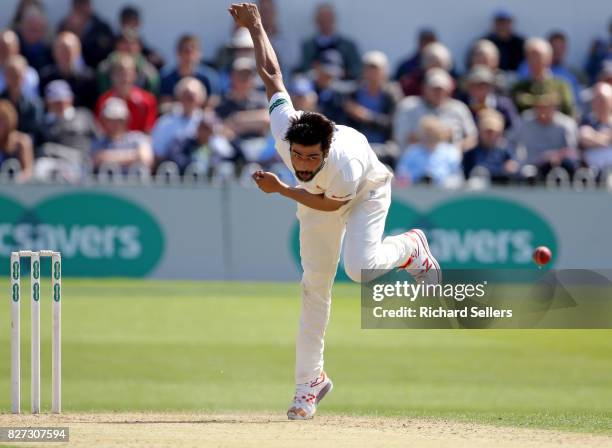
307	396
421	264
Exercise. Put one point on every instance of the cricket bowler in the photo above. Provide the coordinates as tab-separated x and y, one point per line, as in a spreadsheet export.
344	193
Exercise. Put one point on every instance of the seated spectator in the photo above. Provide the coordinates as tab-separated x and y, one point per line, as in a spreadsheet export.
539	59
558	67
240	46
509	44
29	109
95	35
142	104
206	148
243	109
327	38
480	94
14	144
492	152
431	158
303	94
147	77
9	46
32	32
327	71
118	145
68	131
129	23
435	55
600	52
370	108
189	63
436	100
548	136
70	67
414	62
596	129
484	52
181	123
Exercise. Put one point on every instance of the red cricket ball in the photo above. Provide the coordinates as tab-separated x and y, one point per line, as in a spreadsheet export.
542	255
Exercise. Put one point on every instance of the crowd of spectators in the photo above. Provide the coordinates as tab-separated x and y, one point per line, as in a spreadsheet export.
89	94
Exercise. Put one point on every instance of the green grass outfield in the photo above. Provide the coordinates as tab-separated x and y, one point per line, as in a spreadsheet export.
220	346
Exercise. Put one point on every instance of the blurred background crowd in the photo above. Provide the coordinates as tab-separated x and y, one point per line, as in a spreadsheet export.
95	97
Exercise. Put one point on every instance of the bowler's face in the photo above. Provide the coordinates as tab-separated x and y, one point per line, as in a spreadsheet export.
307	161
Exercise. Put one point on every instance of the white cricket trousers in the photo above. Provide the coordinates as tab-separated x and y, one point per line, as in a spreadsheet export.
361	224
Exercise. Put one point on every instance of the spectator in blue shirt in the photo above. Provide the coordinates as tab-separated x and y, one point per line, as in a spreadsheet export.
370	107
492	151
180	123
431	158
413	63
189	63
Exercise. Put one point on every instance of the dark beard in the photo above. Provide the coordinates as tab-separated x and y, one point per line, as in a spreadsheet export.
307	176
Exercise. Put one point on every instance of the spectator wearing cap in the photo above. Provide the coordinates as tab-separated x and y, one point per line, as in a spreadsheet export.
303	94
596	129
9	46
327	38
370	107
95	34
484	52
14	145
558	67
205	148
68	131
327	73
599	53
69	66
436	100
547	136
431	158
119	146
128	43
479	94
181	122
243	109
435	55
509	44
189	63
141	104
492	152
130	24
32	31
29	108
413	62
539	59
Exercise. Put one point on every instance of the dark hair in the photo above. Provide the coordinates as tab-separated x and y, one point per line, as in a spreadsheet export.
310	129
187	39
556	34
129	12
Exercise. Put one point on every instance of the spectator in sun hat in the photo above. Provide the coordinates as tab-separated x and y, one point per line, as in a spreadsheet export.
118	145
370	107
509	44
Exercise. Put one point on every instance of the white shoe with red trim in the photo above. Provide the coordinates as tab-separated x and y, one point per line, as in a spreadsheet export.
307	396
421	264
